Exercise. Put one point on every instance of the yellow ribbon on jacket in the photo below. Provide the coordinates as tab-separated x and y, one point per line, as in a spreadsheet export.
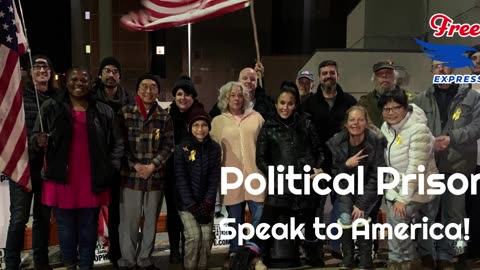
399	139
192	155
456	115
157	134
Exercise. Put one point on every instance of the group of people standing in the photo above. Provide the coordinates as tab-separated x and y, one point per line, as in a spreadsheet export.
94	145
435	131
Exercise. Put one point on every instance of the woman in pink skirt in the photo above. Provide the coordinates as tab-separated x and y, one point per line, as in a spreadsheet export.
81	153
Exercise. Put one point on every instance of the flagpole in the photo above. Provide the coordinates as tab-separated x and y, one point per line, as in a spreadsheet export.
189	50
22	19
255	37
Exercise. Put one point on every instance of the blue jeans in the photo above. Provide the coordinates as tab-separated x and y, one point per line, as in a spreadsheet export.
77	229
237	211
20	202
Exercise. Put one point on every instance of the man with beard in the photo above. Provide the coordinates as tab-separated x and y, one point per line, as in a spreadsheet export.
453	113
108	90
262	103
327	108
329	104
384	80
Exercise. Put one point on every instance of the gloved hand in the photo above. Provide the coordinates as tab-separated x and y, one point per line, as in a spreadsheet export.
195	210
207	206
206	212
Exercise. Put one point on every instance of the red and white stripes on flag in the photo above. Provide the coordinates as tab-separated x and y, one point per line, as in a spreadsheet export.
159	14
13	133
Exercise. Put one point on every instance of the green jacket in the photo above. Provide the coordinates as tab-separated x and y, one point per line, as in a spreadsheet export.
370	102
463	128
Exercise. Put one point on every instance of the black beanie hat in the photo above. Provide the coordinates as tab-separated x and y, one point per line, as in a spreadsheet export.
187	86
110	61
147	76
49	62
198	113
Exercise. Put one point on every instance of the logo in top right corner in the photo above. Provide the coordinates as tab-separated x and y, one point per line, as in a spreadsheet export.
453	56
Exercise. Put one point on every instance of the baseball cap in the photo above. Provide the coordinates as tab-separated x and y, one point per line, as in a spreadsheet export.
383	64
305	74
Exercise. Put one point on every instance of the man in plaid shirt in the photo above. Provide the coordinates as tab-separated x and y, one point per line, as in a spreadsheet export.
148	135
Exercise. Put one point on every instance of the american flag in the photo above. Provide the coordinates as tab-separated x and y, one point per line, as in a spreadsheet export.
13	133
170	13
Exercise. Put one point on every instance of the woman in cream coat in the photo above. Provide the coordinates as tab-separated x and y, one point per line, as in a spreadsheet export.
410	144
236	130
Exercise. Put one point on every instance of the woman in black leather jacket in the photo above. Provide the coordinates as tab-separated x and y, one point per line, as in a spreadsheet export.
359	144
288	139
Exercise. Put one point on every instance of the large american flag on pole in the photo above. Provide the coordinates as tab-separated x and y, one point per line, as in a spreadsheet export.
159	14
13	133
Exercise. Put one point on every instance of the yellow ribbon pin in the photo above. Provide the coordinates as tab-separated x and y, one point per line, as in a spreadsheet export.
399	139
456	114
157	134
192	155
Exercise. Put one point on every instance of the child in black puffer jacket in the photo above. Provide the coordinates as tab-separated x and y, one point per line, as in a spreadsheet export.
197	170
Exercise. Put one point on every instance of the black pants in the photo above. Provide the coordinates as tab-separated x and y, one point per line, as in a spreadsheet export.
472	203
270	216
174	223
20	202
114	253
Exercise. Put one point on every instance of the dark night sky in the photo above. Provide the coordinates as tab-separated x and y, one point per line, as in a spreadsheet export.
48	30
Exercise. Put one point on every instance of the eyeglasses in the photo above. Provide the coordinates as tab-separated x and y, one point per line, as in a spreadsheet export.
144	87
38	67
392	109
113	71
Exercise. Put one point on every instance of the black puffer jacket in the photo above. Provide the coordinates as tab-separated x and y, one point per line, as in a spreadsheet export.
197	171
295	145
374	146
105	145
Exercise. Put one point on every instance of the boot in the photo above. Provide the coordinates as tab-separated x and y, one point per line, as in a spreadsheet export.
313	253
364	253
244	259
348	248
